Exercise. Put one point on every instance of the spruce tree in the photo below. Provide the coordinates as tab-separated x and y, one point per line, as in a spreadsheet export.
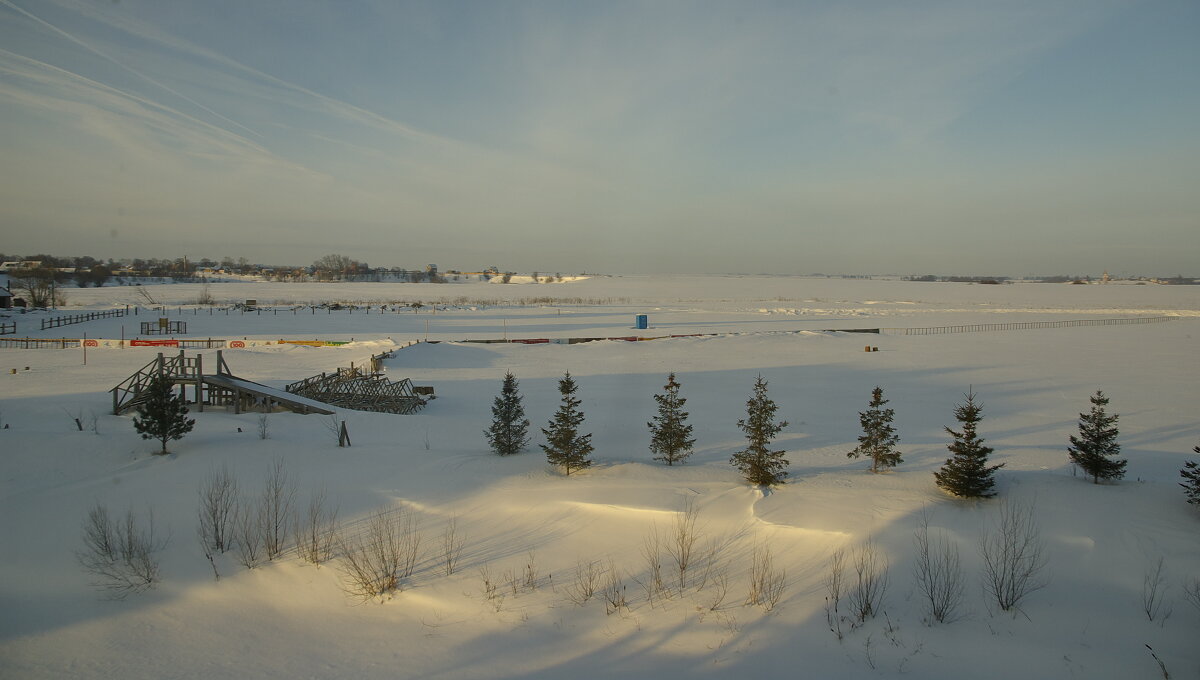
670	434
1095	448
1191	479
879	438
509	432
757	463
564	445
966	473
163	414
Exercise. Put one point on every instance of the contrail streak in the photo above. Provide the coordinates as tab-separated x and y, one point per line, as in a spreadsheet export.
135	72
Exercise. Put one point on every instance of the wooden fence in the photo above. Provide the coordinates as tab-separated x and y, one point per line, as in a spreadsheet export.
1026	325
58	321
38	343
8	328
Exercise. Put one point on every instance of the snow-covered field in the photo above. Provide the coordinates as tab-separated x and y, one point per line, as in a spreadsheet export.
289	619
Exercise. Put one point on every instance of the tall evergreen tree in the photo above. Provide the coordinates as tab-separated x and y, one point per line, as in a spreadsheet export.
1191	479
509	432
163	414
564	445
967	473
757	463
879	438
670	434
1095	448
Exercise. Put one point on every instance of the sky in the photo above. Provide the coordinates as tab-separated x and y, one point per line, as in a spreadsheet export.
988	137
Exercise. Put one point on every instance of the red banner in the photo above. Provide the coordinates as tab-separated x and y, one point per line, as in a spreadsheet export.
153	343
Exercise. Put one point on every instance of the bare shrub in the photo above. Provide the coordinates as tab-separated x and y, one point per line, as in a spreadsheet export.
337	428
681	542
613	590
76	417
835	588
651	551
217	511
410	542
713	568
489	588
316	531
530	573
719	578
488	585
375	561
278	497
1153	591
247	530
867	592
1191	591
584	581
452	545
1013	557
122	555
1162	667
264	427
511	581
766	584
205	297
939	573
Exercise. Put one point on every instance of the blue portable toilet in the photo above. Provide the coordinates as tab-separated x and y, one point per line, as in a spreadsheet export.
643	322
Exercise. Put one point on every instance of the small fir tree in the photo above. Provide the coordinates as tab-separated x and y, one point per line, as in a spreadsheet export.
670	434
509	432
757	463
966	473
879	438
163	414
1095	448
564	445
1191	479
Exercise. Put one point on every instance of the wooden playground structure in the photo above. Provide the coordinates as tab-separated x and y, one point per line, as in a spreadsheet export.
351	388
221	388
362	390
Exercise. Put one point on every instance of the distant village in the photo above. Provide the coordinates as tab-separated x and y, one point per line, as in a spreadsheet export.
31	281
85	271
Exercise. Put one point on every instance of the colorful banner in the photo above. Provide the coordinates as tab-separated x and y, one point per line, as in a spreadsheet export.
189	343
243	344
314	343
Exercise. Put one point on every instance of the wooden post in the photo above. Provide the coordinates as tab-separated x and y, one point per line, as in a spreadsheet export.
200	382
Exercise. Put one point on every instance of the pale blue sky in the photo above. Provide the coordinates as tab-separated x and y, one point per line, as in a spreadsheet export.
785	137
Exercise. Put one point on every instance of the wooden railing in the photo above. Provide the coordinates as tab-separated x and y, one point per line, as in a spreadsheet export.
1026	325
58	321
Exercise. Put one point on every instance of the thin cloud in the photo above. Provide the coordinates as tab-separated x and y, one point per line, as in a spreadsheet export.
311	100
49	87
124	66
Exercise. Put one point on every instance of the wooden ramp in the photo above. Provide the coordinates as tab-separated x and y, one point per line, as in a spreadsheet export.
262	396
355	388
218	389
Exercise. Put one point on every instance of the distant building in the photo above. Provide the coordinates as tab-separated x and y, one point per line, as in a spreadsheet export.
6	296
21	264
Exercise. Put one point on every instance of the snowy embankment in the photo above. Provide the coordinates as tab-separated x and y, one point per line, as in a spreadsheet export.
286	618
